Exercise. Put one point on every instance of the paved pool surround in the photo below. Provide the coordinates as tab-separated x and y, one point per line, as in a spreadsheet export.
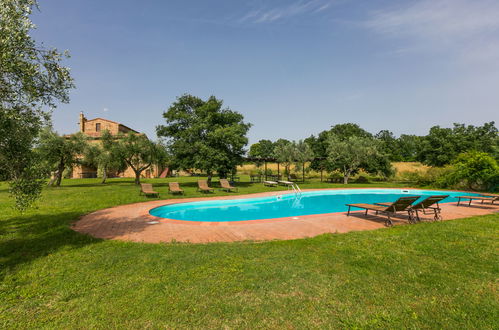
132	222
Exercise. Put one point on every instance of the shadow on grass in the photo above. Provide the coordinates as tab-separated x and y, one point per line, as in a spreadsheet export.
37	236
70	184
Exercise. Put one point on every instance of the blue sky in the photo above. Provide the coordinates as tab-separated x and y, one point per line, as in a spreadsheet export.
293	68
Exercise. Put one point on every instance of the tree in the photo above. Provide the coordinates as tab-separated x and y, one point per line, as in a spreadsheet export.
105	157
319	148
138	152
389	145
61	152
202	135
345	131
303	154
408	147
349	154
31	77
442	145
263	149
285	153
437	148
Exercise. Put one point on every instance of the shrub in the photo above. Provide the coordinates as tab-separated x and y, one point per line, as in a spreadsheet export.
473	170
362	179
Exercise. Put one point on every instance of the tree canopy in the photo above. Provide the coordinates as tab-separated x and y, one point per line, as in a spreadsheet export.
442	145
262	149
285	154
350	154
303	154
31	78
61	152
105	156
345	131
138	152
204	135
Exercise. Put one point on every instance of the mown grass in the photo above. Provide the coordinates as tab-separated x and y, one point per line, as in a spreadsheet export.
430	275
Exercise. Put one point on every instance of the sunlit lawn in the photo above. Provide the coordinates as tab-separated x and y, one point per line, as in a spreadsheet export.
430	275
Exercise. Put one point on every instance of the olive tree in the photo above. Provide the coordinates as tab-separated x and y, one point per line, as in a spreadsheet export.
319	146
349	154
139	153
105	156
32	79
61	152
303	154
285	154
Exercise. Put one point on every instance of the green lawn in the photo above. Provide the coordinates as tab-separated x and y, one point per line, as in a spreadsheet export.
430	275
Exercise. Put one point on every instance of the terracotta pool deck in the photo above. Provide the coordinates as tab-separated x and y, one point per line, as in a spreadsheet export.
133	222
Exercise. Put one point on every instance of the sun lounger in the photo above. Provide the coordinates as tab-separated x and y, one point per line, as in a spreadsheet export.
203	186
428	205
174	187
285	183
400	205
146	189
490	198
270	183
225	185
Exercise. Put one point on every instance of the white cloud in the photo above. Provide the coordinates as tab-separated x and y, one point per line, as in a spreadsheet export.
105	109
469	29
269	15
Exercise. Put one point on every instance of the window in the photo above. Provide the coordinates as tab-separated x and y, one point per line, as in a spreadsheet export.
97	127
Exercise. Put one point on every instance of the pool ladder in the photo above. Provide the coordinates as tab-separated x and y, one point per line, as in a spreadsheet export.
296	189
297	200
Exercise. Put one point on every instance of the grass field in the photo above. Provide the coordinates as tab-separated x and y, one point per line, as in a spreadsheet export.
430	275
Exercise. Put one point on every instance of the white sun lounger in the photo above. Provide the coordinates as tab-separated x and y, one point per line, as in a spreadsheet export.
270	183
286	183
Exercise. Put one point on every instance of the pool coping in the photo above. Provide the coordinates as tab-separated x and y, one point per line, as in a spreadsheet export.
265	194
132	222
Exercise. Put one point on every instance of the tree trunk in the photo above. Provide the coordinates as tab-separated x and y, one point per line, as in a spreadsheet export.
104	175
52	179
137	177
321	174
346	176
59	173
345	179
303	172
210	174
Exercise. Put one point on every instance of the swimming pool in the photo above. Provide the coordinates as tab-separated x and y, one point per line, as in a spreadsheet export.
287	204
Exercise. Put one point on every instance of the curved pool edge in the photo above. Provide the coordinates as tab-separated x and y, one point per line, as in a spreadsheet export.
256	196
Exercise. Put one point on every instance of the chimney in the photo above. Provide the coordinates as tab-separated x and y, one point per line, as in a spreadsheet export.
82	122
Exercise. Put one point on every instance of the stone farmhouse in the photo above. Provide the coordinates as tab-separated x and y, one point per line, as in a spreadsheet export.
93	129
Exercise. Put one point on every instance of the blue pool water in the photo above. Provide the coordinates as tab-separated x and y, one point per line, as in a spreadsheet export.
287	205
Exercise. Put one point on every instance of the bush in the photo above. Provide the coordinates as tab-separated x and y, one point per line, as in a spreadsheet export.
335	177
267	172
473	170
362	179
